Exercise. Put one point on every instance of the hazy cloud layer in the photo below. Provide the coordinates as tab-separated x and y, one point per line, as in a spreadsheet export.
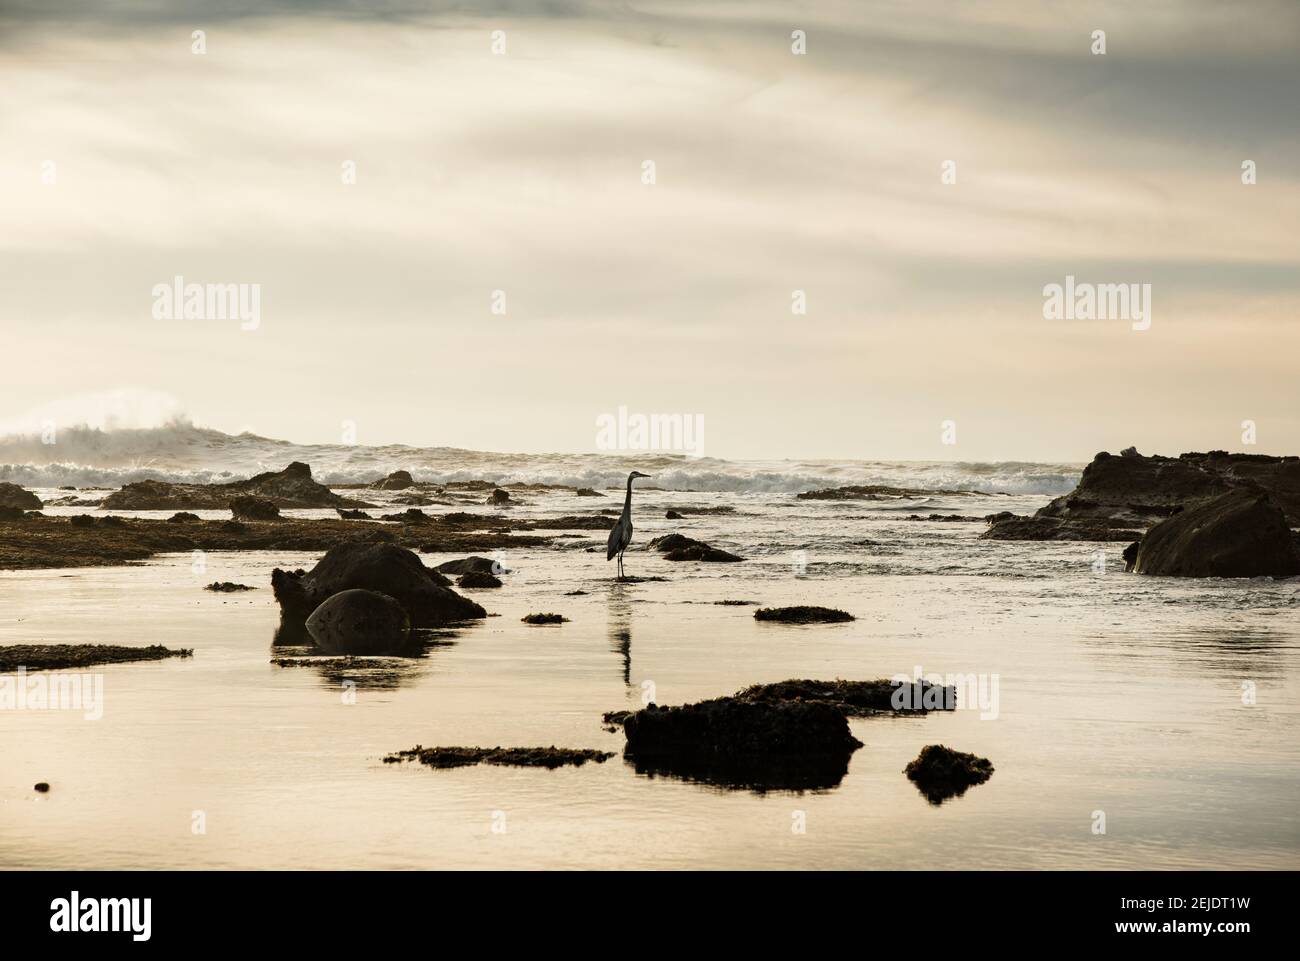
775	172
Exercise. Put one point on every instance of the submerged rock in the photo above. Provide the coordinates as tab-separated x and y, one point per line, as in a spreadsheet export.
352	515
941	773
678	547
858	698
254	509
543	619
499	498
588	492
291	487
359	622
803	614
672	516
477	580
547	757
788	745
228	587
412	515
875	492
425	595
1240	534
183	517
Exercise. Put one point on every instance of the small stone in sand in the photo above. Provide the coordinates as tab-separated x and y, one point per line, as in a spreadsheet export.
42	786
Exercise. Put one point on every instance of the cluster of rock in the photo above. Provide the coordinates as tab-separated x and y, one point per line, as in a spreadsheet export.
362	598
291	487
679	547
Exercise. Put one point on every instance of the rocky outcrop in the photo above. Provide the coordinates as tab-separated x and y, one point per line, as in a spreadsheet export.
876	492
678	547
11	495
359	622
425	595
499	498
1239	534
465	565
478	580
398	480
940	773
291	487
254	509
787	745
1118	496
351	515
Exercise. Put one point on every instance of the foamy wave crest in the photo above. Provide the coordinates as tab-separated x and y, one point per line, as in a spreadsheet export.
181	452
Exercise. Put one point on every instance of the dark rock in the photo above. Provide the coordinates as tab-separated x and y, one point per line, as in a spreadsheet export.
465	565
570	523
228	587
790	745
291	487
672	516
1116	495
52	657
689	511
183	517
543	619
398	480
112	520
588	492
547	757
941	773
11	495
498	498
1130	556
359	622
81	520
41	786
412	515
477	580
351	515
253	509
1240	534
875	492
945	518
677	547
858	698
11	513
376	566
802	614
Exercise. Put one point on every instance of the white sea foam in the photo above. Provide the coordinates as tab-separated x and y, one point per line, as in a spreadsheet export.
180	451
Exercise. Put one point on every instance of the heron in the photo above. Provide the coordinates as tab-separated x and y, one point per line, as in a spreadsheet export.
621	535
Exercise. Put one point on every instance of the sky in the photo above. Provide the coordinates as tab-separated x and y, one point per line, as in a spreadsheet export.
516	162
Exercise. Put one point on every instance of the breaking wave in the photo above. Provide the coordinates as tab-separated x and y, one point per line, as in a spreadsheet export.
181	451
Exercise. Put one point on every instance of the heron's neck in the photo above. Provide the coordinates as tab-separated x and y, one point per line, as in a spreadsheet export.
627	501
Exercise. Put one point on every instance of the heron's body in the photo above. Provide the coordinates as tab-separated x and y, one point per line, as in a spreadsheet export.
621	534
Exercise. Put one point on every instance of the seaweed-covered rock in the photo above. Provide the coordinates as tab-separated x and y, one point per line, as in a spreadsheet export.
11	495
803	614
425	595
253	509
543	619
499	498
678	547
228	587
412	515
1240	534
81	520
359	622
352	515
786	745
857	698
183	517
478	580
547	757
941	773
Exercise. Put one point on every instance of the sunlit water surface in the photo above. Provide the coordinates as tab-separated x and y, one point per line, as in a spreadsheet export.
1117	694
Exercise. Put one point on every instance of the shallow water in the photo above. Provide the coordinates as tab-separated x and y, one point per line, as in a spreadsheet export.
1115	693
